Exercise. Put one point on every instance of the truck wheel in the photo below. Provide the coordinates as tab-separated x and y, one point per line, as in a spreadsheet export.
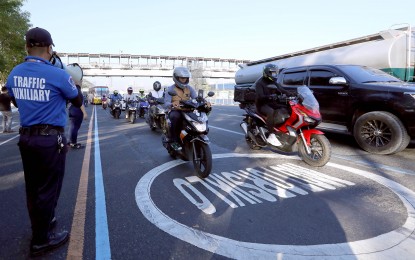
380	132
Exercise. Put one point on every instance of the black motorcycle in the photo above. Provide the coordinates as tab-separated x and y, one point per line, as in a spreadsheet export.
156	115
116	109
193	136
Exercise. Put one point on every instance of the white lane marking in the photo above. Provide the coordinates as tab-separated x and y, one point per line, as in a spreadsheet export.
226	130
221	114
375	165
8	140
399	242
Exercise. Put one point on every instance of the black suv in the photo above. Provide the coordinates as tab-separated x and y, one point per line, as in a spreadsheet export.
377	108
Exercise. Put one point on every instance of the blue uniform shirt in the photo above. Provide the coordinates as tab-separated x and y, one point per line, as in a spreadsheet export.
41	91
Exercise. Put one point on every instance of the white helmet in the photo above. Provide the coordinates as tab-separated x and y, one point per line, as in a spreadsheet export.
181	72
75	71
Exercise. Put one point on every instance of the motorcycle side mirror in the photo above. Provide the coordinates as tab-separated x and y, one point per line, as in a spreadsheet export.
172	93
211	94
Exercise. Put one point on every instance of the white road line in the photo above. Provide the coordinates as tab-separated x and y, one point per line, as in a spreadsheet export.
8	140
226	130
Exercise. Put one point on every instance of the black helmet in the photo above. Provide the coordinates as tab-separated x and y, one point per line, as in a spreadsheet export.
130	90
156	86
181	72
270	72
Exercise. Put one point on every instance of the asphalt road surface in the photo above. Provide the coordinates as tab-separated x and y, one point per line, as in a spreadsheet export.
124	197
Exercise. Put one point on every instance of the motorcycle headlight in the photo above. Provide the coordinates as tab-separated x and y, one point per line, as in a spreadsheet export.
199	122
200	127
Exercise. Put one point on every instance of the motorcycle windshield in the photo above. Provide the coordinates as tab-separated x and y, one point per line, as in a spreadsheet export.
308	99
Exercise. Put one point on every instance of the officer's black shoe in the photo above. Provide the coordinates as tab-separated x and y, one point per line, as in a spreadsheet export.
55	240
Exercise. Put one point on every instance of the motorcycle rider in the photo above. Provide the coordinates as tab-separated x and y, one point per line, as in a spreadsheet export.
141	96
153	95
115	96
181	76
104	99
266	103
128	97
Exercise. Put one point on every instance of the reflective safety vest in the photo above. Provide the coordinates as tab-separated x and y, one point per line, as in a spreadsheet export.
182	94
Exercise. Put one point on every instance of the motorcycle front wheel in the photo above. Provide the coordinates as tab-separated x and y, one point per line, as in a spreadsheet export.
132	118
320	151
202	159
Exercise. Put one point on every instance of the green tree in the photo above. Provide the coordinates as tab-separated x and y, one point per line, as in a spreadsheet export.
14	23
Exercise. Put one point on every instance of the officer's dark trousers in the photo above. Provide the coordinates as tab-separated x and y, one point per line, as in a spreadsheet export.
43	169
75	120
176	125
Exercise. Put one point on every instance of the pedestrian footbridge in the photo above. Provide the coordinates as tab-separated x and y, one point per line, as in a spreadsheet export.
128	65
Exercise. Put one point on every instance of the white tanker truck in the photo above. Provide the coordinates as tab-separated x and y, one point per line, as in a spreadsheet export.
392	51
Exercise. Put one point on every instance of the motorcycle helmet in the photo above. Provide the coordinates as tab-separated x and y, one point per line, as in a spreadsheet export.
141	91
115	92
181	72
270	72
75	71
156	86
130	90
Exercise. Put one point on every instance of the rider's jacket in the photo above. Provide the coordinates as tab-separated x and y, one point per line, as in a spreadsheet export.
182	94
114	97
155	94
263	93
128	97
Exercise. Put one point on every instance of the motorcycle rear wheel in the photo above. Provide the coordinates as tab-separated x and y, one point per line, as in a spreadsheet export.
320	151
202	159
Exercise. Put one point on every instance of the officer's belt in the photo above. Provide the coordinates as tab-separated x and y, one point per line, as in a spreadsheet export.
41	130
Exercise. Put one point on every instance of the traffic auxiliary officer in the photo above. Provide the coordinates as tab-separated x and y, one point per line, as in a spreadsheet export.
40	91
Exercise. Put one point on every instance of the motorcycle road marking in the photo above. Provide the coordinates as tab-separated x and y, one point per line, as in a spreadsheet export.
398	242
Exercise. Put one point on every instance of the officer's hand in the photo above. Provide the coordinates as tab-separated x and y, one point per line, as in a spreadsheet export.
85	116
208	104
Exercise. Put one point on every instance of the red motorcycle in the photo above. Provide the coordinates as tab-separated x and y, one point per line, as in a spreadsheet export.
298	132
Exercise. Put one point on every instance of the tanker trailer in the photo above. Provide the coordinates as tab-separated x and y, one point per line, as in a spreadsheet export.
392	51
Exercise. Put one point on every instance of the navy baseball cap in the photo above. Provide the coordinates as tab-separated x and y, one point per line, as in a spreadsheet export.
38	37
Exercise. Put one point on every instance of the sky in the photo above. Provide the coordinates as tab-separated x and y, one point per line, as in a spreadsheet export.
228	29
